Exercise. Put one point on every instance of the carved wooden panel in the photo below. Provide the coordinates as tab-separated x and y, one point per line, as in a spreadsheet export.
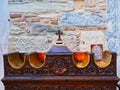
60	73
62	64
62	88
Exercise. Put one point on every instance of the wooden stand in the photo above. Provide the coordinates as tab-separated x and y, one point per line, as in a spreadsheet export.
59	73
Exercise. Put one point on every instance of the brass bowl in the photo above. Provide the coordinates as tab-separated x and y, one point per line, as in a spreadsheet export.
15	61
105	61
81	59
35	60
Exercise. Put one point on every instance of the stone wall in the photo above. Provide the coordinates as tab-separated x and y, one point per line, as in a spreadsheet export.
35	22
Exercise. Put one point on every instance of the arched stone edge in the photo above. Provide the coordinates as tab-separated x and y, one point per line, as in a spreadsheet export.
112	25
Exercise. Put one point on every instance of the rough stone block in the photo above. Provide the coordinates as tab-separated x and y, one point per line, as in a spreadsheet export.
15	15
16	30
81	19
32	44
36	29
42	7
35	19
54	22
28	15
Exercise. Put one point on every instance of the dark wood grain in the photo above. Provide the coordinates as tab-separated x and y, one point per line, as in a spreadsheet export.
59	73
